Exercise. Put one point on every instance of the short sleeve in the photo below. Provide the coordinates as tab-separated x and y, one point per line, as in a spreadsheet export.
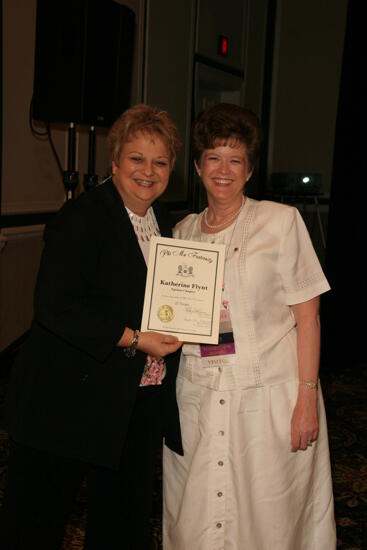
299	267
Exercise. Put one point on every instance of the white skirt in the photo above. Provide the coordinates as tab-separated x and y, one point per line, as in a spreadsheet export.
239	486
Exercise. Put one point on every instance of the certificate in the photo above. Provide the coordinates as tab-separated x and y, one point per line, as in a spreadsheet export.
183	289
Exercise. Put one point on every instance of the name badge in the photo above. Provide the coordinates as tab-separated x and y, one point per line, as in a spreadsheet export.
223	352
224	347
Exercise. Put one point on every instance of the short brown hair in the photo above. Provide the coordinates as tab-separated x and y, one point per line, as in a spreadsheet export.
146	119
225	122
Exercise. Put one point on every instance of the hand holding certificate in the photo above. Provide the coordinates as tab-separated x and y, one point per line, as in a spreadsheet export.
183	289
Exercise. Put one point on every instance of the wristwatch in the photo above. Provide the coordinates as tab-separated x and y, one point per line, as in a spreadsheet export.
130	351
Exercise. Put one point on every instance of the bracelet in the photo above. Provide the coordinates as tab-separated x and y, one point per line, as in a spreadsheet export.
309	383
130	351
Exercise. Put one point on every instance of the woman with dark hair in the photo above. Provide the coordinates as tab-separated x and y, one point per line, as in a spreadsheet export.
91	396
255	472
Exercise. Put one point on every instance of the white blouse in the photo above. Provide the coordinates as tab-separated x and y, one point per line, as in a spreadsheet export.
145	227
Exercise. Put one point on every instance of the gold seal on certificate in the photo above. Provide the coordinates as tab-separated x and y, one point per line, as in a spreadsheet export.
165	314
183	289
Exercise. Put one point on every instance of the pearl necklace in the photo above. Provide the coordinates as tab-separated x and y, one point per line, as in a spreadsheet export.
223	223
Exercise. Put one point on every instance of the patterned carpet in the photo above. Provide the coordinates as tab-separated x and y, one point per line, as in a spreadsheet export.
346	404
346	408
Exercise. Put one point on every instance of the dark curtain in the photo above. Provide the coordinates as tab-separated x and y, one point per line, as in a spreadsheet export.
343	309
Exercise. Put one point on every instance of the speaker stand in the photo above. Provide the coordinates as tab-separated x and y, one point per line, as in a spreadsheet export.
70	176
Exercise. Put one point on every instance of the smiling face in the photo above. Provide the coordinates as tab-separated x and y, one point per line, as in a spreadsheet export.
224	171
142	172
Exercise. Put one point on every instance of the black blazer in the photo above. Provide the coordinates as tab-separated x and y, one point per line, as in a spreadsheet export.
72	390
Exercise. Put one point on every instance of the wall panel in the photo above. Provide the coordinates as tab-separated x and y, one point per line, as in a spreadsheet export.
20	251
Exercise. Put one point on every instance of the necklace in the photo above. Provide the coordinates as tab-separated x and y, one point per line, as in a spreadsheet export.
227	237
228	220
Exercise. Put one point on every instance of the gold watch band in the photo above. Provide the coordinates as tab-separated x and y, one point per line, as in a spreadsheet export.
311	384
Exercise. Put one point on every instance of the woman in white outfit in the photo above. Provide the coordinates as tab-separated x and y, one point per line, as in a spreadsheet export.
255	474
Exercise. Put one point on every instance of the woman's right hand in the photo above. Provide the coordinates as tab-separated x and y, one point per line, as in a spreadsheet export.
157	344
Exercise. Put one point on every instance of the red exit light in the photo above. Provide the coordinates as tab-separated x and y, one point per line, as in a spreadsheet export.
223	46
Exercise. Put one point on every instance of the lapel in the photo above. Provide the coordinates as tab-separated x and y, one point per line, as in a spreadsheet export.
163	219
124	228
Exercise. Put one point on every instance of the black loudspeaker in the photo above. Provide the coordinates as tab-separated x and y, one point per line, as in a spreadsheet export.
83	61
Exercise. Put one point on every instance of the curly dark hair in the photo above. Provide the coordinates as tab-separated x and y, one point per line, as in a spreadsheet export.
223	123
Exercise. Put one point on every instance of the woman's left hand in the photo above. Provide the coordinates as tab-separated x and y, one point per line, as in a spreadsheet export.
305	422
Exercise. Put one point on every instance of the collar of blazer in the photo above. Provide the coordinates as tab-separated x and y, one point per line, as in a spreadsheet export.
162	215
125	230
